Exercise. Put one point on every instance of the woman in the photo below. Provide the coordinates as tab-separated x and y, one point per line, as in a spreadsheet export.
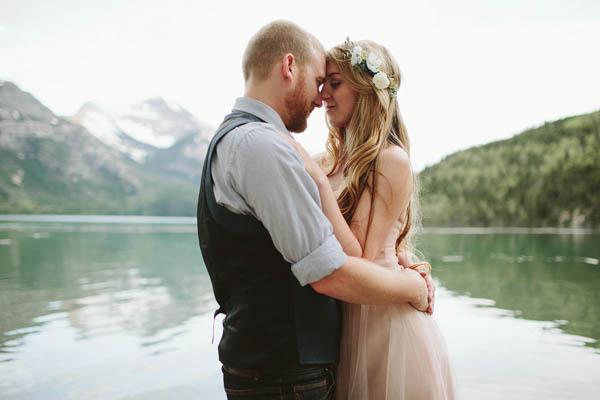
392	351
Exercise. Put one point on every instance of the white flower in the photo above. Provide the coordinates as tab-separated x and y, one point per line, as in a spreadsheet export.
381	80
356	55
373	62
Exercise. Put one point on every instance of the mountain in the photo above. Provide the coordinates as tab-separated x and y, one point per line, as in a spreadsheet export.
546	176
52	165
163	136
103	126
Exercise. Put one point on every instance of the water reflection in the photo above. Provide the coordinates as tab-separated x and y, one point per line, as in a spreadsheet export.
101	282
538	277
100	311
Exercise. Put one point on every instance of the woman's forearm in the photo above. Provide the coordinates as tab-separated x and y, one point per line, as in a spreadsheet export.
332	211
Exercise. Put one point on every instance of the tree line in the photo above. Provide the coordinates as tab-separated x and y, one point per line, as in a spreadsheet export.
545	176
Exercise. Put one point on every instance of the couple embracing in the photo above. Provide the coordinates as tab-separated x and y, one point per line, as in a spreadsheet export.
310	259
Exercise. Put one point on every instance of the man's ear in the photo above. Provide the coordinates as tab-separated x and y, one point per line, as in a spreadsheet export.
288	67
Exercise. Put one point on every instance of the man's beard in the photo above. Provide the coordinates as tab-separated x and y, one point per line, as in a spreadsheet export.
298	107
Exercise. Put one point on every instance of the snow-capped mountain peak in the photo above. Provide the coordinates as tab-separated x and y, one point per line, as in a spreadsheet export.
99	123
155	122
140	130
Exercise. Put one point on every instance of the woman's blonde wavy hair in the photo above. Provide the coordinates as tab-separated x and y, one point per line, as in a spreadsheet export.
375	123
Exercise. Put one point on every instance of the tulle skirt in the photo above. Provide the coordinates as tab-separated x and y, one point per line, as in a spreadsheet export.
392	352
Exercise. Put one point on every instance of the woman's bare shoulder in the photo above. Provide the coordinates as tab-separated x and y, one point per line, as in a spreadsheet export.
394	163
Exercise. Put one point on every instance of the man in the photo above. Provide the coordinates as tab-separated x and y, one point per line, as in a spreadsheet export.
274	263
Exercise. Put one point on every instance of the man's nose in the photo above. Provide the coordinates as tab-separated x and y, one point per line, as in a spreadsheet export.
318	102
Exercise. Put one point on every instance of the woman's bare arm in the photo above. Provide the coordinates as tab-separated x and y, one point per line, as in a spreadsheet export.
393	188
350	240
330	206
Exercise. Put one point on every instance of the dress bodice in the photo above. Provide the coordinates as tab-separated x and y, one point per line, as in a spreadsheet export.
387	255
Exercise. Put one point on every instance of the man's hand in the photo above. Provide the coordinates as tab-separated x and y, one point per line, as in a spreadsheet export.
420	297
424	269
404	257
430	292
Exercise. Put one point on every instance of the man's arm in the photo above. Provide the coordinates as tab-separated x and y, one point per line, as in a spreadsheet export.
270	176
363	282
359	281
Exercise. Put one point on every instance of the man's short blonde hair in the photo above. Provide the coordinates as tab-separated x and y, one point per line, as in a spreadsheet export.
272	42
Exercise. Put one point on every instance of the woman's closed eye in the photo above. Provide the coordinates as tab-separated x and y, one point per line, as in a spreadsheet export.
335	84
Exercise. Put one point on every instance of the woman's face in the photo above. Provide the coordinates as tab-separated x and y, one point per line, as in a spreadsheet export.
340	99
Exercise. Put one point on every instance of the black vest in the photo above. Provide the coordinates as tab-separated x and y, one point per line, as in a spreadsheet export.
270	320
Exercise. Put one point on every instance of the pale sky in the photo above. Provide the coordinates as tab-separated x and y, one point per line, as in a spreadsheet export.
474	71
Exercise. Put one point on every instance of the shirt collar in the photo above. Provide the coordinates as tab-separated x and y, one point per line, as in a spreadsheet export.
261	110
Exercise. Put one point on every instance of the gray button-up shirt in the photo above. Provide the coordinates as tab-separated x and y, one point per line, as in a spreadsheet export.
256	171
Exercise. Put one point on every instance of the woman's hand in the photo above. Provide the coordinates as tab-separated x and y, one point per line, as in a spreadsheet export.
313	169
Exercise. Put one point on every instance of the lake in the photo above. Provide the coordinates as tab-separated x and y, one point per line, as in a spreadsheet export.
121	308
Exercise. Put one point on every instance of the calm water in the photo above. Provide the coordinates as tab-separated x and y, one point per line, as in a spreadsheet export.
123	310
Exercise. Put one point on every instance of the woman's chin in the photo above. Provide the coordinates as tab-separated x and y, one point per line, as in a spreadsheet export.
335	123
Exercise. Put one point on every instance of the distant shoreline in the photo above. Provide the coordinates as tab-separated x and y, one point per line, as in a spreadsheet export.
185	222
100	219
506	230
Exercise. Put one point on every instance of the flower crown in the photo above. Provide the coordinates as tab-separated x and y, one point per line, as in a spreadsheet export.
364	61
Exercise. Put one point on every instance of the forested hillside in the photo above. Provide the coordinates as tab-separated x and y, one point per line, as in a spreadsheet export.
546	176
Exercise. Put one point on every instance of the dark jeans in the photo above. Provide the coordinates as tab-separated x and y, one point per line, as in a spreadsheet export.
308	383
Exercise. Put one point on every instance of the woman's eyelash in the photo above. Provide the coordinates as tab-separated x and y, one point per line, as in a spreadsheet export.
335	84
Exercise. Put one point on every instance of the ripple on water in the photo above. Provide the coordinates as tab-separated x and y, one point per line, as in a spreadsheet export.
30	329
453	258
55	305
588	260
50	317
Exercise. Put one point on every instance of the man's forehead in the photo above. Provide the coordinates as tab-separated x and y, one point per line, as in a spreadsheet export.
319	62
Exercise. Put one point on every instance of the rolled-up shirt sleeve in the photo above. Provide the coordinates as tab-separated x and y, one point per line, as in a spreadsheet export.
270	175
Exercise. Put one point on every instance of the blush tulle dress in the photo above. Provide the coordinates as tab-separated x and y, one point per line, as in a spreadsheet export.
392	352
